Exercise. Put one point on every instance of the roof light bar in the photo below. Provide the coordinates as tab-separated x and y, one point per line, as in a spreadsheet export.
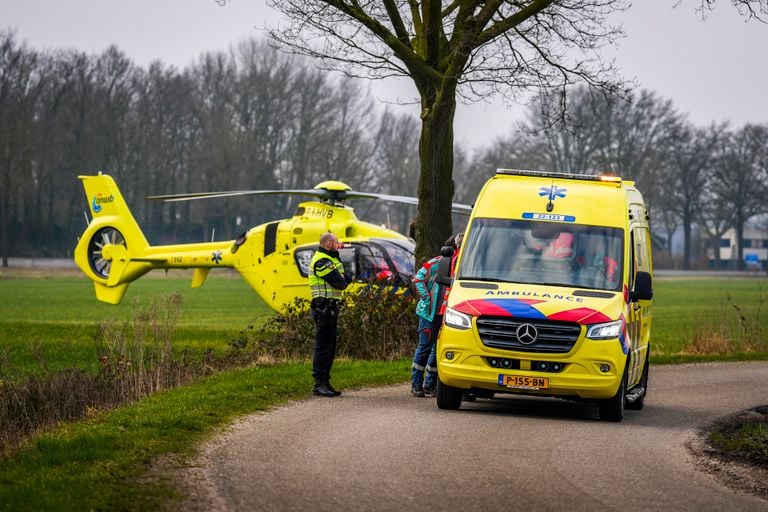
547	174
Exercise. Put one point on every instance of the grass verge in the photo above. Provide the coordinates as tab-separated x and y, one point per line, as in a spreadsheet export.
745	439
99	463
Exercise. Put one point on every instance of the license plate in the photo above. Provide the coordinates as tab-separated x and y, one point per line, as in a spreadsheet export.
523	382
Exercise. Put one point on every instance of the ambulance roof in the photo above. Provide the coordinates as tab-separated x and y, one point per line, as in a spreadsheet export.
556	197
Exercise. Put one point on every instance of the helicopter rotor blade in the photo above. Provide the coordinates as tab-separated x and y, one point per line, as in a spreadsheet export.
332	195
463	209
232	193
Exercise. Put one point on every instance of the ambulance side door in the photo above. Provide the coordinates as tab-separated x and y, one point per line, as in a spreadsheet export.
639	321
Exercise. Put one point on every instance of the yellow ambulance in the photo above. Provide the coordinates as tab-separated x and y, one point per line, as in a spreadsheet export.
551	295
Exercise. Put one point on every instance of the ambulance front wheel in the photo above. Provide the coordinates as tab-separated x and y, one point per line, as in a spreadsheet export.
612	409
448	397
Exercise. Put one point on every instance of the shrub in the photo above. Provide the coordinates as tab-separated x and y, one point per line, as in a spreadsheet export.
374	323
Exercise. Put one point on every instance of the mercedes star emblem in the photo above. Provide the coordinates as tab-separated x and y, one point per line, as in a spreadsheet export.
526	334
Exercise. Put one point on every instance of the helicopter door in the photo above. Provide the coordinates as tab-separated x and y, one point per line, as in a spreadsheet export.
373	263
349	260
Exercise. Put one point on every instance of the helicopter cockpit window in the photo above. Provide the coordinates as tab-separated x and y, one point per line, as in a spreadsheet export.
374	260
386	260
347	255
401	254
303	257
373	263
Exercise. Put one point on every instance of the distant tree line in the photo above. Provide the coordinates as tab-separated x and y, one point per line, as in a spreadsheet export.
700	181
252	118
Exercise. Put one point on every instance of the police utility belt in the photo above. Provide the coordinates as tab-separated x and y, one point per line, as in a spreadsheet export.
323	303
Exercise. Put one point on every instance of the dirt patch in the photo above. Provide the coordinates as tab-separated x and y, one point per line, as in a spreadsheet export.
735	472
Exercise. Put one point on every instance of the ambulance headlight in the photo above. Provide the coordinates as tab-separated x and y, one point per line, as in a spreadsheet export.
457	320
606	331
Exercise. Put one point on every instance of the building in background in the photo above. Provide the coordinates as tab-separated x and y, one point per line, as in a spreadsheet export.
755	245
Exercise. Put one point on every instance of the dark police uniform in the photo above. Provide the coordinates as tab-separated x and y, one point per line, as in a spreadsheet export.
327	280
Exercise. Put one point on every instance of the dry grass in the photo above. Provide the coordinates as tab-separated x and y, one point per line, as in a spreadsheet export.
137	358
729	329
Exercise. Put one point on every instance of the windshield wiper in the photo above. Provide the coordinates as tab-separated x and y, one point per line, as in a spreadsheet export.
485	279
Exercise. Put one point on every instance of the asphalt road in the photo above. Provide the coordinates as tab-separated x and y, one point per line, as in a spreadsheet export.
381	449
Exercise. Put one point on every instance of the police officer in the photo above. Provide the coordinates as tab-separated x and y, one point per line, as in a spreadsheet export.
326	279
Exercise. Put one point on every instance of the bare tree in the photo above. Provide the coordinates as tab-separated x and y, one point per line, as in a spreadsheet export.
671	223
213	160
521	149
346	151
264	106
633	134
685	175
21	87
715	219
395	169
462	50
55	221
162	141
740	178
571	136
311	98
597	133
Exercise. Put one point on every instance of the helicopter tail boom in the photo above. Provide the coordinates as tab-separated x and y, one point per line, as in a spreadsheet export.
109	250
113	250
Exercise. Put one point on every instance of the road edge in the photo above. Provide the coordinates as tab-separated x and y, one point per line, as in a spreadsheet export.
736	474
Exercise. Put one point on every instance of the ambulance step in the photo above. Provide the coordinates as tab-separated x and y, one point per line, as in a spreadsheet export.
636	393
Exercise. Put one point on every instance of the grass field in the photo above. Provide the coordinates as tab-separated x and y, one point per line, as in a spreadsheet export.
710	318
52	321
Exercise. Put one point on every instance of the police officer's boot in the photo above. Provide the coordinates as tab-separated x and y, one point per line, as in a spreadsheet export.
321	389
336	392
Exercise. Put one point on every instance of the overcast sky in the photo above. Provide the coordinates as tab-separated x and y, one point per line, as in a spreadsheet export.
714	70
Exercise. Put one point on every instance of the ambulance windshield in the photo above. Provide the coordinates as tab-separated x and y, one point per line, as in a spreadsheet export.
550	253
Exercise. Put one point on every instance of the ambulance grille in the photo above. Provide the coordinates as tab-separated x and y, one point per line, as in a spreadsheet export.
551	337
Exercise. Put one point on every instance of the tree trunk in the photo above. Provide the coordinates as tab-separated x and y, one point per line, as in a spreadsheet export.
740	244
716	247
4	221
686	242
436	178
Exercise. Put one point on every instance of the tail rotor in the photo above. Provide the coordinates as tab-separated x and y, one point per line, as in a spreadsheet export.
103	237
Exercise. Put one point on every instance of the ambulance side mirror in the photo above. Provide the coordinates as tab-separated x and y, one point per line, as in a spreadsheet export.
444	266
643	287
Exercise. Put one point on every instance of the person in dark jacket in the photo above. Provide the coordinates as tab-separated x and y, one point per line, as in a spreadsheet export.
430	309
327	280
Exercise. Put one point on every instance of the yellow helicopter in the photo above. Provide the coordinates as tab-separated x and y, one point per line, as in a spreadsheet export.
273	257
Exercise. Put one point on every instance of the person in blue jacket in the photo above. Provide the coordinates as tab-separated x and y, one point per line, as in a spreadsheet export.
429	309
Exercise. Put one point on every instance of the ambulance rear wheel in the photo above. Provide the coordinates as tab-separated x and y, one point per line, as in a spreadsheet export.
612	409
448	397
